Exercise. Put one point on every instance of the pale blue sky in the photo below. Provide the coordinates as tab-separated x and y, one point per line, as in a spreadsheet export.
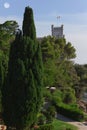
73	15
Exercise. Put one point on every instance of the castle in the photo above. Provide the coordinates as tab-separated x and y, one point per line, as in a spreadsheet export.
57	32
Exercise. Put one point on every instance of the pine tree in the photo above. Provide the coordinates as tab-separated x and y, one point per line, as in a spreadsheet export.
22	93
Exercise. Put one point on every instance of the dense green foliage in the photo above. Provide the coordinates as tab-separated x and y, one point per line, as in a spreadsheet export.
28	24
22	92
21	73
59	70
68	108
58	125
82	84
72	112
46	127
7	32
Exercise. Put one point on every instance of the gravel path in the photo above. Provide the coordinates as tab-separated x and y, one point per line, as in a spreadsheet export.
80	125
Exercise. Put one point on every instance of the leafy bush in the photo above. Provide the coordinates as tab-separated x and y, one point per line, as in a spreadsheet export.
49	113
47	94
73	113
41	119
69	97
46	127
57	97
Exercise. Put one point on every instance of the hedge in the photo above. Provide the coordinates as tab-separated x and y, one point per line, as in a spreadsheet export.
68	111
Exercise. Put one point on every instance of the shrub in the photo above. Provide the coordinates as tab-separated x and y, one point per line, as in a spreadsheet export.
69	97
46	127
73	113
41	119
47	95
50	114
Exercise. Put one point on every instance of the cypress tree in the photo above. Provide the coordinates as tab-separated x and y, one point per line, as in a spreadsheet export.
1	75
28	24
22	93
1	83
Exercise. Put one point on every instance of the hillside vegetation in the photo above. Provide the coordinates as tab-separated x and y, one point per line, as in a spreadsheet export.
29	68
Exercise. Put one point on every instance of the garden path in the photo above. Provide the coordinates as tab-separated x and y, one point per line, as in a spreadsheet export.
80	125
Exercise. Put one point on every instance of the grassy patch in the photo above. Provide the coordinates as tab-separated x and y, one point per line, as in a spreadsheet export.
60	125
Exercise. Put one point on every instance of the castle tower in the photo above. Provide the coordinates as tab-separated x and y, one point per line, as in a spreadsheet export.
57	31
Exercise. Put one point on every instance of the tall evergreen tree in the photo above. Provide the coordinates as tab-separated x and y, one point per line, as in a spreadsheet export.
22	93
1	82
28	24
